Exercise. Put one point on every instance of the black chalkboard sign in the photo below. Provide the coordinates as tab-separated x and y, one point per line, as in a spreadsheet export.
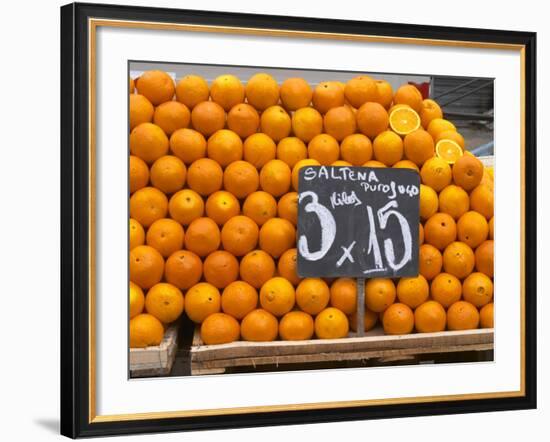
358	222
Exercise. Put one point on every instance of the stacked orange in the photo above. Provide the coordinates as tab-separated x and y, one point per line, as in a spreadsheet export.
213	208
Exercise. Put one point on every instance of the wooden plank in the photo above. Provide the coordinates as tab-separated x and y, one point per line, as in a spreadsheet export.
157	360
373	340
388	355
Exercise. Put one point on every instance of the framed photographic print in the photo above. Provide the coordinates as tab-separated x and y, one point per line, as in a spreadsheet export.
274	220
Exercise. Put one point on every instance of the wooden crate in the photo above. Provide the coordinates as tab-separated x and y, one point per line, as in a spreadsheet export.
206	359
158	360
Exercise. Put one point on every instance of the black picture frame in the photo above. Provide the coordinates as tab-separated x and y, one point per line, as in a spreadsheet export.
76	417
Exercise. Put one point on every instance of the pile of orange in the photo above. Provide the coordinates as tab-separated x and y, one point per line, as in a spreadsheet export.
213	208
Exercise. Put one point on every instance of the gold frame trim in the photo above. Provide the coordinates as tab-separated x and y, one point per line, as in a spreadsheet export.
92	27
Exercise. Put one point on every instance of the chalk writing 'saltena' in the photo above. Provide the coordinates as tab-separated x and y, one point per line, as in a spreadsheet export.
369	180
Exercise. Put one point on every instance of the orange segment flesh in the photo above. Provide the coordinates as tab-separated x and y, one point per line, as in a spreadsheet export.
448	150
404	120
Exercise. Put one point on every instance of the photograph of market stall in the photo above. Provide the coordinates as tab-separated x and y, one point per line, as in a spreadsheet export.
285	219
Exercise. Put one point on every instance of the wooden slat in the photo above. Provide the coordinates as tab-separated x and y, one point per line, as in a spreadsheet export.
157	360
372	341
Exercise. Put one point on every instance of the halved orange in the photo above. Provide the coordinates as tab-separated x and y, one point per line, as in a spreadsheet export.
448	150
403	120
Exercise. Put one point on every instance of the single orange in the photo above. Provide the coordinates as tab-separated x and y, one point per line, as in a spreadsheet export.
202	236
298	166
287	266
277	235
472	229
446	289
327	95
241	179
139	174
486	316
183	269
227	90
484	257
492	228
168	174
220	268
186	206
439	125
260	206
372	119
295	93
238	299
413	291
418	146
277	296
148	142
201	301
448	150
374	164
224	147
467	172
260	326
219	328
420	234
291	150
398	319
259	149
166	236
165	302
403	119
147	205
385	93
171	116
436	173
430	317
360	90
157	86
188	145
331	323
137	234
341	163
145	330
343	295
208	117
458	259
388	148
430	261
339	122
262	91
410	95
482	200
477	289
275	177
205	176
296	326
379	294
462	316
312	295
356	149
287	208
136	300
307	122
275	123
132	85
429	111
146	266
324	149
192	90
221	206
141	110
454	200
370	320
243	119
239	235
440	230
256	268
428	202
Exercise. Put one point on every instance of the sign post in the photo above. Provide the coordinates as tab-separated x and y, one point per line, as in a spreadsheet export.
358	222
